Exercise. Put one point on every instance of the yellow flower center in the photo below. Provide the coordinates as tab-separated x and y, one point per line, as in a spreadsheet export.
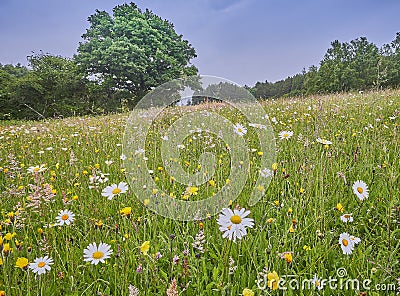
36	169
235	219
285	135
116	191
345	242
240	130
360	190
98	255
64	217
41	264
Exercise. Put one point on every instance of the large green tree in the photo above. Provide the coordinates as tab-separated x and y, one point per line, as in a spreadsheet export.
133	50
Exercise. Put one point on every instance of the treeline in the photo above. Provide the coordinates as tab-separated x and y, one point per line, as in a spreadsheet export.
112	71
346	66
53	86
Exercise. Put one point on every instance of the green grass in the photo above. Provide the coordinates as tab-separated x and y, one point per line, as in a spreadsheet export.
364	129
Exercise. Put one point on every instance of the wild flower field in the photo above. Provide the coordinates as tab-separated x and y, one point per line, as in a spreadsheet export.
71	224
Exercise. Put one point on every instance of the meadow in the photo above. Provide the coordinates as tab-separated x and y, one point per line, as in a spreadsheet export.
63	187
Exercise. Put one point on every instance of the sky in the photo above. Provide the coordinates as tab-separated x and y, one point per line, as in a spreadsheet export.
244	41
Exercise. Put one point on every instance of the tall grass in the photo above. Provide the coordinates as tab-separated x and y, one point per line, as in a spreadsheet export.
309	182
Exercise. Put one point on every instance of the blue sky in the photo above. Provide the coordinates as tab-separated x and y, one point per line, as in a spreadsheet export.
241	40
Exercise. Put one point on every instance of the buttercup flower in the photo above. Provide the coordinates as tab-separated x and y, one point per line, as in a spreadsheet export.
22	262
288	256
273	280
125	211
7	249
144	248
339	207
9	235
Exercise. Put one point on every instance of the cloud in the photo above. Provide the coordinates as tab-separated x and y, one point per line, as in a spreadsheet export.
224	5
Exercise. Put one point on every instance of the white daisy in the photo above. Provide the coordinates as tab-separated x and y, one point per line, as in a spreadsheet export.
139	151
360	189
346	243
102	178
346	218
285	135
234	223
317	282
95	254
41	265
323	141
266	173
355	239
239	129
123	157
114	189
65	217
37	168
257	125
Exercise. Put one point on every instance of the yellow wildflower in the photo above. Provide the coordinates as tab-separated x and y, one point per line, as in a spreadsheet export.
144	248
22	262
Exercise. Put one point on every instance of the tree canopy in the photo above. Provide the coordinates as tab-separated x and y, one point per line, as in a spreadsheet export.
134	50
346	66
